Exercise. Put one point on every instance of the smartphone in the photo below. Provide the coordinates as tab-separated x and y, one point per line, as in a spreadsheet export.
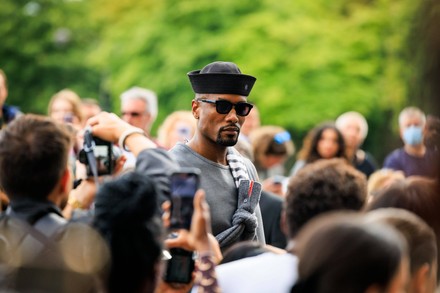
180	267
184	184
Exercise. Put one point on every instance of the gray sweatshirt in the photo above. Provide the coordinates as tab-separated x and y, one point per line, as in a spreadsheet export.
218	183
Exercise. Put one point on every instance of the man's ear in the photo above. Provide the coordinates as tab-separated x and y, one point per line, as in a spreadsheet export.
195	108
401	132
66	181
420	279
61	191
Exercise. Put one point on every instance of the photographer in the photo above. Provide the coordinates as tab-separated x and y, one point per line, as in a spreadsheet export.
40	250
151	160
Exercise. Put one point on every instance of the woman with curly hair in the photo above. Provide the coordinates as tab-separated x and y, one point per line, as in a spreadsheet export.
324	141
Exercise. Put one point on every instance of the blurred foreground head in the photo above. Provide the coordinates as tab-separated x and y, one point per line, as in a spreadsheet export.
33	157
421	242
126	214
320	187
341	253
416	194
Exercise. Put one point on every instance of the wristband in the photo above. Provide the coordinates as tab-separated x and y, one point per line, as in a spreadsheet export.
74	203
127	133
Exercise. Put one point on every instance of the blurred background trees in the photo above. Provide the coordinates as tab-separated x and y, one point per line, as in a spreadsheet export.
313	59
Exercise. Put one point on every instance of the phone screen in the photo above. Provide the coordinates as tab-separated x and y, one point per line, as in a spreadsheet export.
183	187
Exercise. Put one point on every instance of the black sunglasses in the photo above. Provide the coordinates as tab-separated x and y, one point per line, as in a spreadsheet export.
224	107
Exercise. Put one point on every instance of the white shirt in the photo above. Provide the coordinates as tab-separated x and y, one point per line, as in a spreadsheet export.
267	272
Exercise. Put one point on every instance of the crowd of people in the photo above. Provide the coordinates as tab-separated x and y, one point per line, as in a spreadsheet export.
87	198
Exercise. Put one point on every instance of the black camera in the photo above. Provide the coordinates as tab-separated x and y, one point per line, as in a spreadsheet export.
104	156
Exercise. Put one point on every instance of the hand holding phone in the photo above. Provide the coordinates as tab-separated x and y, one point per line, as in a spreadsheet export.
184	185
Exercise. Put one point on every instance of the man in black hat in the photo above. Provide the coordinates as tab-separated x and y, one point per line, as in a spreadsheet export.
220	107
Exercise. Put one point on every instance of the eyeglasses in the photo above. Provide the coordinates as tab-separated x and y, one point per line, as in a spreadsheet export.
224	107
133	114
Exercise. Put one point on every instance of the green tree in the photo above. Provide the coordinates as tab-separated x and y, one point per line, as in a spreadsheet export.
313	60
42	51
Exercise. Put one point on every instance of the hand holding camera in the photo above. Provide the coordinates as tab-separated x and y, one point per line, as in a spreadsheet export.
110	127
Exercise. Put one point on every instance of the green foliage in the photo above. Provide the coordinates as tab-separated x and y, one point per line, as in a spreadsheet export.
42	51
313	59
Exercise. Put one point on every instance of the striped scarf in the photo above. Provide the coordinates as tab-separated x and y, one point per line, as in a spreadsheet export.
237	166
244	220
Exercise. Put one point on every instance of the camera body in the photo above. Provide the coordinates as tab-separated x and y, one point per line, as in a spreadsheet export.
184	184
105	155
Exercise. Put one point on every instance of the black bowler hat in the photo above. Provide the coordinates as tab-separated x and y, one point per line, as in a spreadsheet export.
221	78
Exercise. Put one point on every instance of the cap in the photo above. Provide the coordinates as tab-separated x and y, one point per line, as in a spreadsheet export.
221	78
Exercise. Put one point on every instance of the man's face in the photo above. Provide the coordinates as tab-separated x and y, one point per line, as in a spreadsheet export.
412	120
135	113
352	133
3	90
61	109
411	130
223	129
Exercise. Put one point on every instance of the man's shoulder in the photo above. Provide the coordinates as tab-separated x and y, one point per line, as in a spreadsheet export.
179	150
271	200
396	152
395	156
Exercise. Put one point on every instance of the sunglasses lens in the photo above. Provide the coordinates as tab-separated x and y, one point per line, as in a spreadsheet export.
223	107
243	109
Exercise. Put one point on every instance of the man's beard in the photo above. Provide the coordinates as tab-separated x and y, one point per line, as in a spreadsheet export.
229	140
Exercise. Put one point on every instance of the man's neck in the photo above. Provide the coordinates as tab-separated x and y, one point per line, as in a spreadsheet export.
351	152
210	150
417	150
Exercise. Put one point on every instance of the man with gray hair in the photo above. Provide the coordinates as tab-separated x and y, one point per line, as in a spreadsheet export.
139	108
354	128
414	158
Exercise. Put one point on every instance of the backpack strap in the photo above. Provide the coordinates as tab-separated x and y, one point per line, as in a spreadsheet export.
40	237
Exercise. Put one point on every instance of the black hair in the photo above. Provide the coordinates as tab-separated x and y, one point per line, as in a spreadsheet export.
127	215
323	186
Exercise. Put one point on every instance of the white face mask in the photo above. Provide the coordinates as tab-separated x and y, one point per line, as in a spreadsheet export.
413	135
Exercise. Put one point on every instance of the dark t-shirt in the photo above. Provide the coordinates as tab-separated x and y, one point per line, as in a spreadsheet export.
365	163
422	166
